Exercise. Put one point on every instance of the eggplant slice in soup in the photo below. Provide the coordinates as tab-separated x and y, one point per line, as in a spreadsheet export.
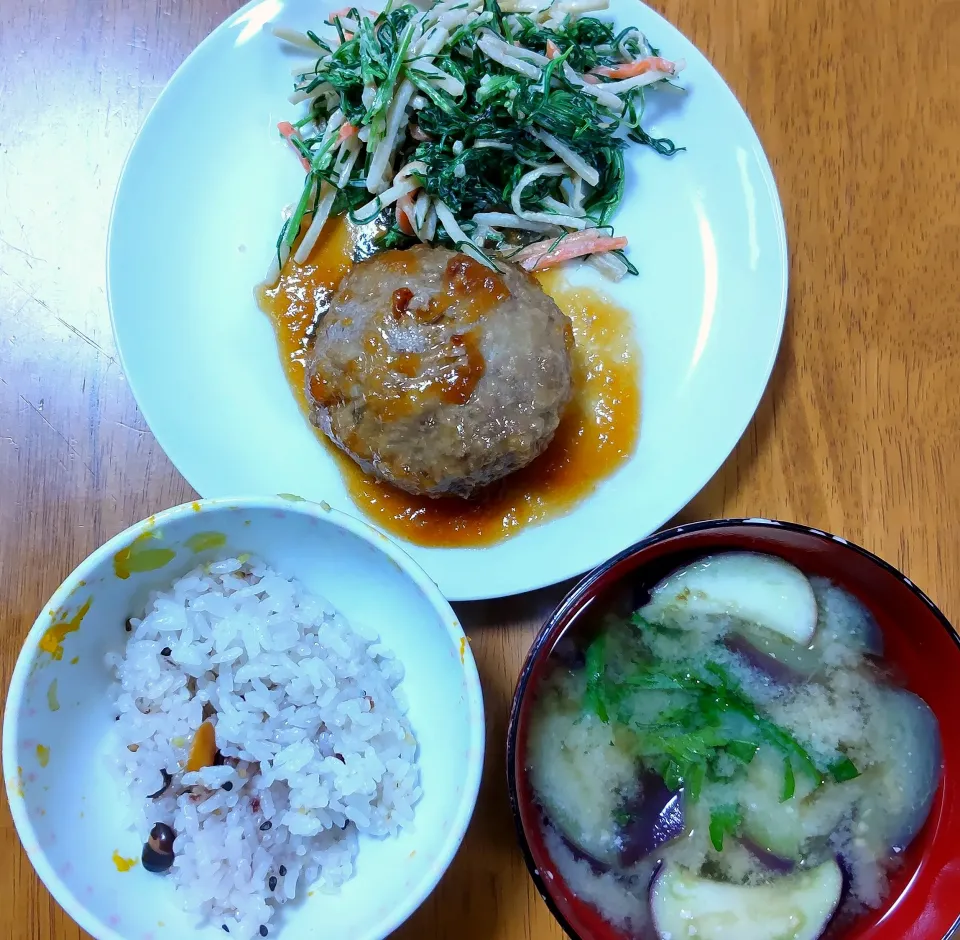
757	589
795	907
593	791
908	780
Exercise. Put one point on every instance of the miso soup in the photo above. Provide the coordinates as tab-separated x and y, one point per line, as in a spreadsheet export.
731	758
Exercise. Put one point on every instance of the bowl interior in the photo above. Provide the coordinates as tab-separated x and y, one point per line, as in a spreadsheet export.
921	648
64	800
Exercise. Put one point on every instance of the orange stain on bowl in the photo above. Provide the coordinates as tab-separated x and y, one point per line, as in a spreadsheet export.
463	649
195	506
52	640
123	864
43	755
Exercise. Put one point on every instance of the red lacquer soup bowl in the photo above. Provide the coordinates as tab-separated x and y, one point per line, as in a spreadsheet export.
921	649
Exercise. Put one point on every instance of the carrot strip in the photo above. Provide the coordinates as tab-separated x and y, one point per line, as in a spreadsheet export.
405	213
346	131
289	132
539	256
553	50
203	751
637	67
343	11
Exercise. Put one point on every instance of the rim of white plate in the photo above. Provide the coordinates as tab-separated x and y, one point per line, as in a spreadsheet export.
561	570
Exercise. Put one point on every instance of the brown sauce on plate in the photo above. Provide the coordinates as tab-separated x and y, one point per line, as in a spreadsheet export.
596	437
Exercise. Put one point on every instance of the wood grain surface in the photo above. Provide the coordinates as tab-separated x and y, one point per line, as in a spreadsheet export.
858	108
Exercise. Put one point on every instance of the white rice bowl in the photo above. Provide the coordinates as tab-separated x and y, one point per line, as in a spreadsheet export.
314	746
82	822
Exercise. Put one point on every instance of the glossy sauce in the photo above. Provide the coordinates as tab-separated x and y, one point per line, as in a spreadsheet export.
400	384
597	434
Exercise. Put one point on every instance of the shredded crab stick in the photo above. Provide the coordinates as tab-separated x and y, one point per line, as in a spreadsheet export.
291	134
405	216
344	11
551	252
653	63
346	132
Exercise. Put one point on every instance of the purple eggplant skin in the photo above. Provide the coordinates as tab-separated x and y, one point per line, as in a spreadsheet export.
763	662
844	913
782	866
923	748
841	617
868	635
655	817
596	866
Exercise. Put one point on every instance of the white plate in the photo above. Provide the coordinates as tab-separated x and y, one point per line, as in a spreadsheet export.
193	228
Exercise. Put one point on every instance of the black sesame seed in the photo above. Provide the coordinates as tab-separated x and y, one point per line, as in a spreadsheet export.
272	883
263	931
283	871
228	786
166	783
225	928
264	827
128	625
166	651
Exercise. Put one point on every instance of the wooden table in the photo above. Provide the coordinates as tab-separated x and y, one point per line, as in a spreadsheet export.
858	108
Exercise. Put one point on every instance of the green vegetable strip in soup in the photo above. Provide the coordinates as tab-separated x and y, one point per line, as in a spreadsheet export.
703	726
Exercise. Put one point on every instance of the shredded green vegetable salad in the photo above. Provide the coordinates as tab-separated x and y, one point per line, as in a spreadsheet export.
705	715
495	127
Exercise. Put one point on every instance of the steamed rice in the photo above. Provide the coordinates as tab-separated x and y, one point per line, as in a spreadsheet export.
314	746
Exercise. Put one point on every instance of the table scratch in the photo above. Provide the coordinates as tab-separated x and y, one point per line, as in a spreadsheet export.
22	251
74	452
86	339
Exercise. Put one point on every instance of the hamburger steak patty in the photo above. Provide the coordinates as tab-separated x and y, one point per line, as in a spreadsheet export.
437	374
